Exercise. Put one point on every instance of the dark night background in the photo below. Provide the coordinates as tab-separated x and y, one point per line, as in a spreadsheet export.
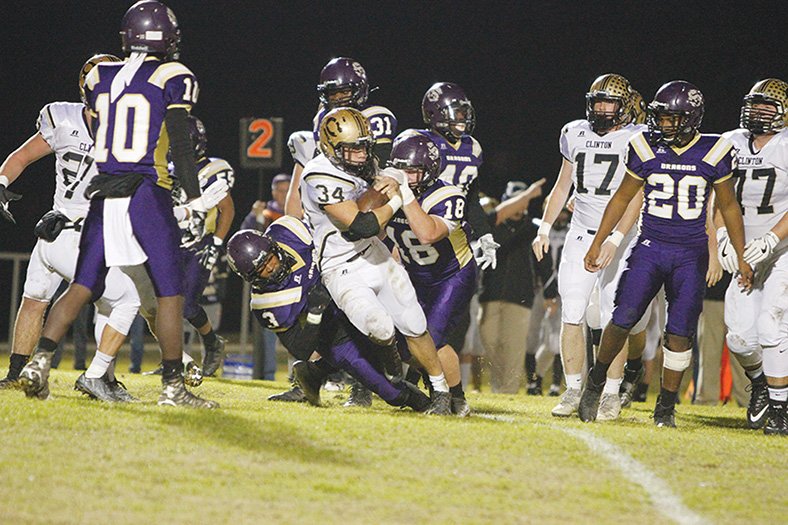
525	65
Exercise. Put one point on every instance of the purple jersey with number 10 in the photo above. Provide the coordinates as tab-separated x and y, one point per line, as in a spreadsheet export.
677	185
130	133
459	162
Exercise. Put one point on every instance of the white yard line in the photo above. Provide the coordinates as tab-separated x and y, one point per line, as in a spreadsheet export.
663	499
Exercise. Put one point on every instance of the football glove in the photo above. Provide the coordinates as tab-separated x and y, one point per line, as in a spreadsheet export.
211	253
192	229
5	198
725	252
50	225
760	248
486	258
210	197
317	300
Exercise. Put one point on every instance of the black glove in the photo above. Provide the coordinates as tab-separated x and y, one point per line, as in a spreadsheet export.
210	254
318	299
50	225
6	197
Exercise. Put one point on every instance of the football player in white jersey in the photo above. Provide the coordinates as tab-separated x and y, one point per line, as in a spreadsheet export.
63	129
593	151
758	322
361	275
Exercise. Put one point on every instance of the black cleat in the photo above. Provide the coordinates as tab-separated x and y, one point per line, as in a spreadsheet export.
777	423
310	379
664	416
758	409
34	378
460	407
360	396
555	390
534	388
213	357
9	384
294	395
641	393
589	401
95	388
628	386
415	398
155	372
440	405
174	393
392	363
120	392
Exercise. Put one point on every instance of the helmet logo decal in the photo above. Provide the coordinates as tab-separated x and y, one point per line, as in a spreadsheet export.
695	97
432	151
434	94
333	126
358	69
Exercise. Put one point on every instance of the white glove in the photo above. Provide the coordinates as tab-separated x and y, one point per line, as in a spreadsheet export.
210	197
760	248
487	256
398	175
407	194
725	252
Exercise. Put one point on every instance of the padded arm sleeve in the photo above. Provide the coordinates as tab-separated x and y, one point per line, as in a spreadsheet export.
177	122
383	152
365	225
301	339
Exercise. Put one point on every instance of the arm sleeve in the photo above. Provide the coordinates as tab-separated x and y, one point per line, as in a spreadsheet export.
475	213
383	152
182	153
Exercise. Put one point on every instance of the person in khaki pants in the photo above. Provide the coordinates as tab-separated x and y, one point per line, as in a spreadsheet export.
508	291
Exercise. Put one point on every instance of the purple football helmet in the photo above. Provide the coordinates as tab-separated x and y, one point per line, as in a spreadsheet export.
413	151
249	252
447	110
676	113
199	137
342	74
150	27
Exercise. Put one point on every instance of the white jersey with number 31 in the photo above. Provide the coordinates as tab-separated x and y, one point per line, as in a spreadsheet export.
62	125
598	166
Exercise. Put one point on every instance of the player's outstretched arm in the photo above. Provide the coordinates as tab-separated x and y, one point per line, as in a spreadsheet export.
33	149
630	186
730	210
293	199
553	205
226	208
519	204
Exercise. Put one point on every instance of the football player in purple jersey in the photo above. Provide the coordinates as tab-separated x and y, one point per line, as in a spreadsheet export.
677	167
288	298
448	112
131	221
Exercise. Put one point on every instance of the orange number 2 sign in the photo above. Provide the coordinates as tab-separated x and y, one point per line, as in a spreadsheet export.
257	149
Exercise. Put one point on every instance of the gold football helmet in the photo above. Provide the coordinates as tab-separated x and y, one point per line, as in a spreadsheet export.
759	120
344	134
88	66
638	108
609	88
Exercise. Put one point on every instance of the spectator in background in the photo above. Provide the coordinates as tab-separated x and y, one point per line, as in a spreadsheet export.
259	218
508	291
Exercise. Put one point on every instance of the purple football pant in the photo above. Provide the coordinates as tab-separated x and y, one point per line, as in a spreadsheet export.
444	303
154	227
652	264
195	279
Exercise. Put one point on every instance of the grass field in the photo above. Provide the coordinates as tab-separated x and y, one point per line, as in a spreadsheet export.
72	460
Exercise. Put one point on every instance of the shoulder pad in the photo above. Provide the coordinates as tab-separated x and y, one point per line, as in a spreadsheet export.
167	71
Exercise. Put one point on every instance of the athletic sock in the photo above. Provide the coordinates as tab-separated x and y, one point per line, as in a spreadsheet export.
612	385
667	398
18	362
439	383
598	374
98	366
778	394
632	369
209	339
754	374
171	368
456	391
574	381
46	345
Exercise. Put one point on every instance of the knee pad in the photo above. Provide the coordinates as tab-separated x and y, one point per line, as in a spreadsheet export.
775	360
750	359
676	361
573	311
199	318
740	345
122	316
414	323
378	325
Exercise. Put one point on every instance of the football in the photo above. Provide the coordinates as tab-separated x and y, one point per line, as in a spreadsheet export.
371	199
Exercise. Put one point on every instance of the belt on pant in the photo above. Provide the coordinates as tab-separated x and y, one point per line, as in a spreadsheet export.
592	232
359	254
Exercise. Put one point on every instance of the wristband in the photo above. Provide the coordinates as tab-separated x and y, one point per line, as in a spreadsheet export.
722	233
407	194
314	318
395	203
218	241
615	238
544	229
4	181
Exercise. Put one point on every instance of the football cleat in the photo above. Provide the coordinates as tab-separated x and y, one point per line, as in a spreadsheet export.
609	407
120	392
555	390
534	388
9	384
294	395
460	407
777	423
310	379
588	407
757	411
213	357
664	416
641	393
192	374
627	390
95	388
440	405
155	372
174	393
34	378
568	403
416	399
360	396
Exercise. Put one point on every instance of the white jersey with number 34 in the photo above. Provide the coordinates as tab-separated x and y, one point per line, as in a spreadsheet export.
598	166
62	125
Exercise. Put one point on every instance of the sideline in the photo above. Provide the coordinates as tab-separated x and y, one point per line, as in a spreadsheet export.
662	497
